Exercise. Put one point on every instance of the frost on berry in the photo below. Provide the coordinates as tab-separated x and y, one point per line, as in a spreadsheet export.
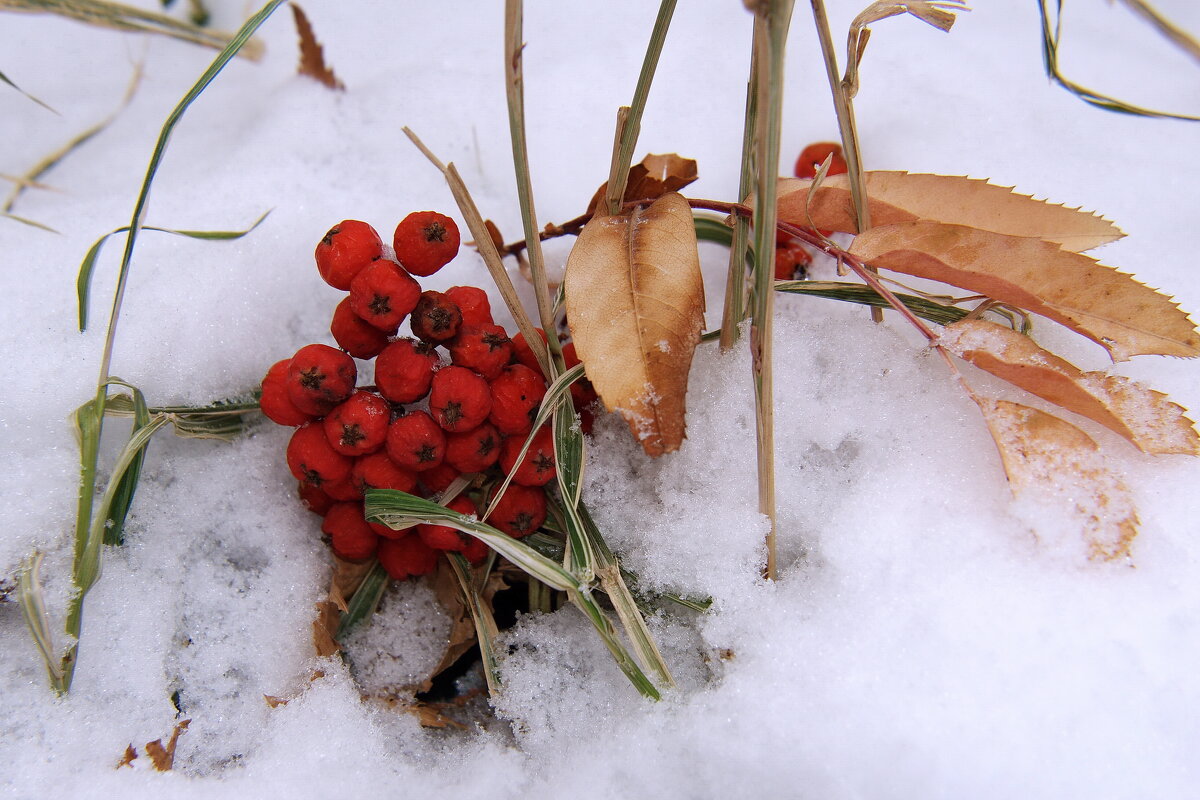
486	349
359	425
474	450
459	399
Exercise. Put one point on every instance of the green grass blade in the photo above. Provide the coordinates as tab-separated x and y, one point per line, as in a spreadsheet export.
224	419
114	529
364	601
83	282
396	509
33	604
710	229
485	624
6	79
865	295
608	634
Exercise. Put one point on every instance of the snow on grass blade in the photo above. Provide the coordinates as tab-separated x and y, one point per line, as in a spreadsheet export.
364	601
395	508
84	281
224	419
485	624
33	604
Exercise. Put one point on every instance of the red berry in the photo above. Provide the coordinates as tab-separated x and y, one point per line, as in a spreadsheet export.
388	533
377	471
475	551
791	262
483	348
354	334
319	378
345	489
404	370
438	479
359	425
425	241
583	394
444	537
474	304
275	402
347	248
520	512
475	450
406	557
383	295
436	318
351	537
312	460
516	394
523	353
537	468
814	155
459	399
314	498
415	442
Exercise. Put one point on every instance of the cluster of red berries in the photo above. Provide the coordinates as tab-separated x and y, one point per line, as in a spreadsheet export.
427	419
791	257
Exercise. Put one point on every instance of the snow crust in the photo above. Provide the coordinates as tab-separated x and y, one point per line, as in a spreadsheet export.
928	636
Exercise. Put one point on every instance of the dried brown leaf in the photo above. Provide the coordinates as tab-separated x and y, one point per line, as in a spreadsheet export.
1145	417
312	56
127	759
955	199
1044	454
325	624
462	636
1125	317
347	577
655	176
635	304
162	757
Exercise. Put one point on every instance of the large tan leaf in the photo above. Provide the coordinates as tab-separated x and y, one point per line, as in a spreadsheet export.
635	304
955	199
1045	455
1143	416
1125	317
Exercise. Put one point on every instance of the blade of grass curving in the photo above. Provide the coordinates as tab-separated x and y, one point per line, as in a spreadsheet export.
1167	29
128	18
711	229
30	222
865	295
485	624
83	282
114	525
734	310
514	47
584	601
364	600
6	79
224	419
631	121
487	251
395	508
33	604
568	458
1051	37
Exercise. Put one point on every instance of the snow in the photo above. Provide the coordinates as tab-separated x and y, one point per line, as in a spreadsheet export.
927	637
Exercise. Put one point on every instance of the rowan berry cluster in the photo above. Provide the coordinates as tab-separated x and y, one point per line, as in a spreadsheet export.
791	257
458	397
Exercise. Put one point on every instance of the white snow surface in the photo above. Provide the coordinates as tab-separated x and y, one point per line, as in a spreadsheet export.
928	636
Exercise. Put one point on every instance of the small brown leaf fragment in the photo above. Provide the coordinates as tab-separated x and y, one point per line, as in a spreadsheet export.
275	702
635	305
1145	417
127	759
1111	308
162	757
347	577
324	626
312	56
1044	454
954	199
655	176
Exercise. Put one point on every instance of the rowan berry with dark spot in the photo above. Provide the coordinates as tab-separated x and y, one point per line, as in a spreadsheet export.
537	467
319	377
444	537
350	536
383	295
377	471
812	157
473	303
314	498
483	348
459	399
354	334
520	511
436	318
583	394
407	557
791	261
275	401
346	249
523	353
311	459
425	241
359	425
404	370
415	442
474	450
516	394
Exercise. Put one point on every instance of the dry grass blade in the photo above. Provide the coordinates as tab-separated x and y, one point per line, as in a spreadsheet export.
163	758
7	80
1169	30
938	13
1146	418
481	614
312	55
1124	316
33	605
119	16
955	199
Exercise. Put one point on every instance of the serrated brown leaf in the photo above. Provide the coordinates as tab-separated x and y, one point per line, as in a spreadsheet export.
1145	417
1045	454
312	56
635	304
656	175
953	199
162	757
1124	316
